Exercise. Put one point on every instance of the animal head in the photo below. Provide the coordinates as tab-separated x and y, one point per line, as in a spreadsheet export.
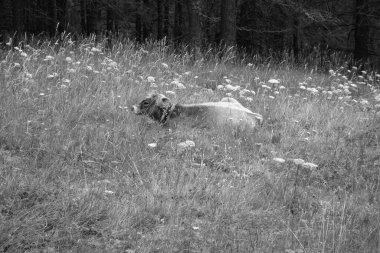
156	106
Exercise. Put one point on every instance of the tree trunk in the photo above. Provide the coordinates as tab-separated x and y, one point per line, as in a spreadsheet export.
83	15
52	21
178	21
228	22
159	19
138	21
6	24
166	18
295	38
194	23
361	30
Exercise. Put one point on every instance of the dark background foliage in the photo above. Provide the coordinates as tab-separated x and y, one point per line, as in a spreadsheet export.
299	28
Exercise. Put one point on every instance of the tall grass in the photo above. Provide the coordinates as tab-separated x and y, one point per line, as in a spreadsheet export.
77	173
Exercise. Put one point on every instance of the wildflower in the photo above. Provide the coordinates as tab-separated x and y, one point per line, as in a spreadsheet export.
271	97
49	58
229	94
195	77
353	85
248	99
377	97
232	88
332	72
302	87
151	79
108	192
42	94
364	102
181	86
354	68
273	81
220	87
89	68
152	145
298	161
50	76
309	165
164	65
23	54
71	71
276	92
364	72
257	79
266	87
243	92
279	160
9	42
187	73
312	90
28	75
227	80
68	59
64	80
249	64
95	50
185	145
112	64
282	87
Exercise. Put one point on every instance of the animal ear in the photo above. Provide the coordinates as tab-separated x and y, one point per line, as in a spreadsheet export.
164	100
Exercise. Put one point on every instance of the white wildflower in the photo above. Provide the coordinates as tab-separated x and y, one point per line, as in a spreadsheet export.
273	81
166	66
108	192
152	145
96	50
232	88
298	161
151	79
309	165
279	160
23	54
69	60
112	64
49	58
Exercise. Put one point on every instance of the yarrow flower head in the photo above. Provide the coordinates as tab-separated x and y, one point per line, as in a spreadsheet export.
49	58
279	160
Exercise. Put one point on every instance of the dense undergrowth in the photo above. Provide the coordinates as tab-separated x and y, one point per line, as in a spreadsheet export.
77	172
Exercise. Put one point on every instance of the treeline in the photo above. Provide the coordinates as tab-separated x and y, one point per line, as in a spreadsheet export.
264	26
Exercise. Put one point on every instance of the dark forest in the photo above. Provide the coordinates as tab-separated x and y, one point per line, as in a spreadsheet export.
299	27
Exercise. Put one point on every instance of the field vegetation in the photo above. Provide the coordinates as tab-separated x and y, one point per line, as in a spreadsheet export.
80	173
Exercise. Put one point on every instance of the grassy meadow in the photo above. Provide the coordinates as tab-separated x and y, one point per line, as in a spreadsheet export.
80	173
